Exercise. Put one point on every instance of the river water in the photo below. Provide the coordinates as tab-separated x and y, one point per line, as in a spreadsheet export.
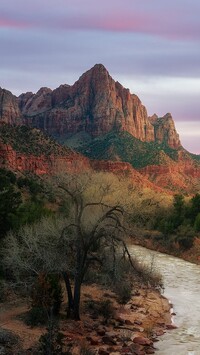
182	288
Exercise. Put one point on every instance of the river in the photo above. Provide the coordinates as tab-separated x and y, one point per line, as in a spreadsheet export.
182	288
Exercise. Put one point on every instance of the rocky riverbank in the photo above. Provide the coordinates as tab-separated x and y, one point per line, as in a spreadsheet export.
133	328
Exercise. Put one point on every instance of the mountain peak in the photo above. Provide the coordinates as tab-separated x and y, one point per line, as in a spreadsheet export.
98	71
99	67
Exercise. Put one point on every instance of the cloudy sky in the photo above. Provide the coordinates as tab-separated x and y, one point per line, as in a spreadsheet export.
150	46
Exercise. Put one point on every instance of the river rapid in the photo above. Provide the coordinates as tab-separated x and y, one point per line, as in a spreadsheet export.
182	288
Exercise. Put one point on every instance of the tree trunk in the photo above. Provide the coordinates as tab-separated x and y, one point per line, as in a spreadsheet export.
77	296
69	294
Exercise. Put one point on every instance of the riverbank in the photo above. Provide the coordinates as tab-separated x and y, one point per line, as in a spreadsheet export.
130	328
192	255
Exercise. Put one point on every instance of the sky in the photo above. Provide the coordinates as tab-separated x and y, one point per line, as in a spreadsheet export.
151	46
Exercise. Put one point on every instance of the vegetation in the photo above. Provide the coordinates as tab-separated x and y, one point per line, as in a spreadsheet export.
22	201
10	343
30	141
46	299
10	200
52	341
182	222
129	149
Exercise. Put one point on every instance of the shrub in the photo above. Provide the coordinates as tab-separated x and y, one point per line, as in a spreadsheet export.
106	309
197	223
185	236
48	292
46	299
102	308
52	341
148	275
123	290
36	316
9	343
2	291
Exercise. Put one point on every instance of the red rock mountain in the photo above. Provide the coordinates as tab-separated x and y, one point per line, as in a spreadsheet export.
95	104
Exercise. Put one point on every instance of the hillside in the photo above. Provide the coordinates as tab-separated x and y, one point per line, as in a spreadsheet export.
29	150
123	146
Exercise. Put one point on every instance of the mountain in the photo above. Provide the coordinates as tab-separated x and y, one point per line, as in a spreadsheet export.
102	120
95	104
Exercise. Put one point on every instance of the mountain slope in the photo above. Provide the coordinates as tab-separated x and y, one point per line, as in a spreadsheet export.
123	146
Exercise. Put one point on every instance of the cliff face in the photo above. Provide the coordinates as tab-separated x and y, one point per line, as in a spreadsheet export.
9	108
42	164
165	131
71	163
183	175
95	104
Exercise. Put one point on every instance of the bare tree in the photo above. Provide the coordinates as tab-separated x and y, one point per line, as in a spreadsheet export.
93	230
96	229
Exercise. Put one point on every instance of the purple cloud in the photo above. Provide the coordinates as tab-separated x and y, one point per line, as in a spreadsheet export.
173	20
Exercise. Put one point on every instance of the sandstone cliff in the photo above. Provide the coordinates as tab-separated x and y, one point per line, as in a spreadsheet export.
42	164
165	131
9	108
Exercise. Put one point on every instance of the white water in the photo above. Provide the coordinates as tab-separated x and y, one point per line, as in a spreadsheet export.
182	288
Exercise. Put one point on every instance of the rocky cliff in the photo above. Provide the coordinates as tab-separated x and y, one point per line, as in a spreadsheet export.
23	149
95	104
9	108
50	165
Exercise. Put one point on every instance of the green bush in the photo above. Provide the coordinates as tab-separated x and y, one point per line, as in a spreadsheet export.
197	223
30	212
185	236
36	316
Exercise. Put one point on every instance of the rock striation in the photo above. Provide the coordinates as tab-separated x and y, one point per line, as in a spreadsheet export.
42	164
